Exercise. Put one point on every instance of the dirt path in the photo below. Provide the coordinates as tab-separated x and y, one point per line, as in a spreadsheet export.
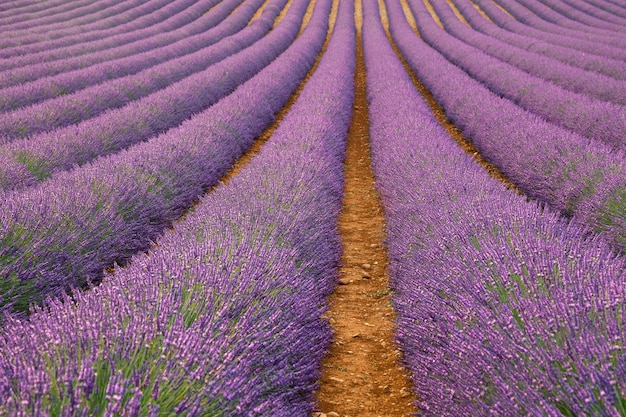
362	375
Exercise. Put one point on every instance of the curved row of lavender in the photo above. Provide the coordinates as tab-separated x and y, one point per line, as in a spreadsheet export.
540	44
31	160
173	16
530	13
225	39
503	308
524	22
597	86
117	13
64	232
535	14
615	9
19	7
67	15
580	113
597	12
48	79
25	37
223	318
584	21
580	177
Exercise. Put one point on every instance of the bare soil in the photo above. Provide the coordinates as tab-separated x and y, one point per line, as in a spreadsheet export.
362	374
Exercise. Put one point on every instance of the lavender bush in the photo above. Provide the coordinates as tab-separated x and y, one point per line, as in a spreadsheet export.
591	9
503	307
584	21
64	232
79	11
89	102
168	18
49	79
531	24
580	113
614	9
19	7
223	318
536	14
577	176
541	43
29	37
139	120
585	83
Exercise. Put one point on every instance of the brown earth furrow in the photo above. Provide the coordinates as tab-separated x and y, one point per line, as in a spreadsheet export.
362	375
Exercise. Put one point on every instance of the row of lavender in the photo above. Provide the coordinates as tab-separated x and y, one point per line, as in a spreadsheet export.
525	22
19	7
150	23
65	231
166	102
503	307
82	12
577	176
563	14
587	103
494	21
598	86
21	29
168	20
535	14
599	13
194	59
28	84
223	318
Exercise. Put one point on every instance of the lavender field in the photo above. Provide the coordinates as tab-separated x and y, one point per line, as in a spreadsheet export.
141	275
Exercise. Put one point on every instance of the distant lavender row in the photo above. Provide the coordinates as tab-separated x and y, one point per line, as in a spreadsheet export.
575	175
96	16
224	317
598	86
64	232
168	18
91	101
113	62
584	115
531	25
503	308
532	42
47	9
537	14
62	149
559	15
119	13
612	8
597	12
19	7
583	20
527	14
53	12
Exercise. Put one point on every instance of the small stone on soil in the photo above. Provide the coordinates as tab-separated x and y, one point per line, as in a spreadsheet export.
333	414
404	392
366	266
